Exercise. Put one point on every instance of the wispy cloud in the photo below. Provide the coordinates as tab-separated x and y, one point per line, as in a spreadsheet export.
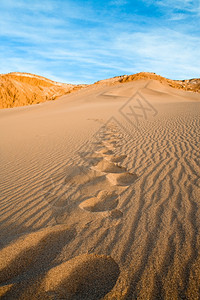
187	5
163	51
81	42
179	7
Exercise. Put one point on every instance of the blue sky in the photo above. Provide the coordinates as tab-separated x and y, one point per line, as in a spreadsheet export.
85	41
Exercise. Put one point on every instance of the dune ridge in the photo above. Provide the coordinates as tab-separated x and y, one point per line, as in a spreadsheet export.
20	89
186	85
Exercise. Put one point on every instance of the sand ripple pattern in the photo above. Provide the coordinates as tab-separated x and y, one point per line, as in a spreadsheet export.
150	226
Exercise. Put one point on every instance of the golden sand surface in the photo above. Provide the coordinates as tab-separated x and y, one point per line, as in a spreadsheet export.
100	195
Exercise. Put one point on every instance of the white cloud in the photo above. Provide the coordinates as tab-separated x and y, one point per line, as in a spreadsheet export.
78	46
177	17
163	51
191	6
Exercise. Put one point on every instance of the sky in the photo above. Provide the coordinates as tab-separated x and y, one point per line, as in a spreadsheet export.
76	41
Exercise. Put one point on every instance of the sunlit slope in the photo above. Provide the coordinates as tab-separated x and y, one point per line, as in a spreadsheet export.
187	85
19	89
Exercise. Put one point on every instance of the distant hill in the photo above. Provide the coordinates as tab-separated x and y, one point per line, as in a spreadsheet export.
19	89
187	85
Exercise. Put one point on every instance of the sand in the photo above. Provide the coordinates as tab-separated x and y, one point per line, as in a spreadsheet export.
100	195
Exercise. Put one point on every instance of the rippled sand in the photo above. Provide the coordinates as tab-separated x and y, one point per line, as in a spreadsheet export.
100	195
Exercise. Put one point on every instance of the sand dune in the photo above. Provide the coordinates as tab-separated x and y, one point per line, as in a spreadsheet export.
19	89
100	195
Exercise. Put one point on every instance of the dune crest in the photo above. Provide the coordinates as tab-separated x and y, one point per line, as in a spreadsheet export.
186	85
19	89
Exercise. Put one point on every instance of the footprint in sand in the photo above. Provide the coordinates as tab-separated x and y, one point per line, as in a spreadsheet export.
108	153
117	174
116	158
64	187
101	192
33	251
104	201
107	200
85	277
104	151
89	158
122	179
108	167
111	144
116	213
